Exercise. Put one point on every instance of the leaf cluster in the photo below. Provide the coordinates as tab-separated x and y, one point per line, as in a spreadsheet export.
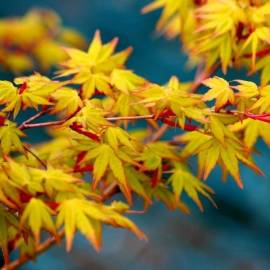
35	40
232	33
66	185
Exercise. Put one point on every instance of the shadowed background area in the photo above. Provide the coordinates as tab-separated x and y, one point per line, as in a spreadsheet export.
235	236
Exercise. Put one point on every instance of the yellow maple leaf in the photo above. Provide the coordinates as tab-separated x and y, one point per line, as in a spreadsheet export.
211	151
87	217
38	215
220	90
183	180
92	69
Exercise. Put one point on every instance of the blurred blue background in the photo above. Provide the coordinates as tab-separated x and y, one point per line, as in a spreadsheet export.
235	236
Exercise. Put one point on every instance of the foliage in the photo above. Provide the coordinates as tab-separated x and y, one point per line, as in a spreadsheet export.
234	33
35	40
66	185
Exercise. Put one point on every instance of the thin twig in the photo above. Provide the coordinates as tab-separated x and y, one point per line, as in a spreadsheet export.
35	156
228	112
149	116
60	122
159	133
27	124
44	124
109	191
33	118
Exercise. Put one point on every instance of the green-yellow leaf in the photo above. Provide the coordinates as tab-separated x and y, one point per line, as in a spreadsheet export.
37	215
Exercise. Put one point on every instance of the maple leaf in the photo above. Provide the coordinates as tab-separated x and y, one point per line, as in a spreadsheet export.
116	136
247	89
8	92
9	97
21	177
137	181
211	151
219	17
164	194
175	97
55	180
217	126
116	219
10	137
129	105
154	153
253	129
91	117
37	215
105	157
35	90
220	90
170	21
218	129
183	180
261	34
86	216
32	91
92	69
94	82
263	102
66	99
126	80
77	214
215	32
